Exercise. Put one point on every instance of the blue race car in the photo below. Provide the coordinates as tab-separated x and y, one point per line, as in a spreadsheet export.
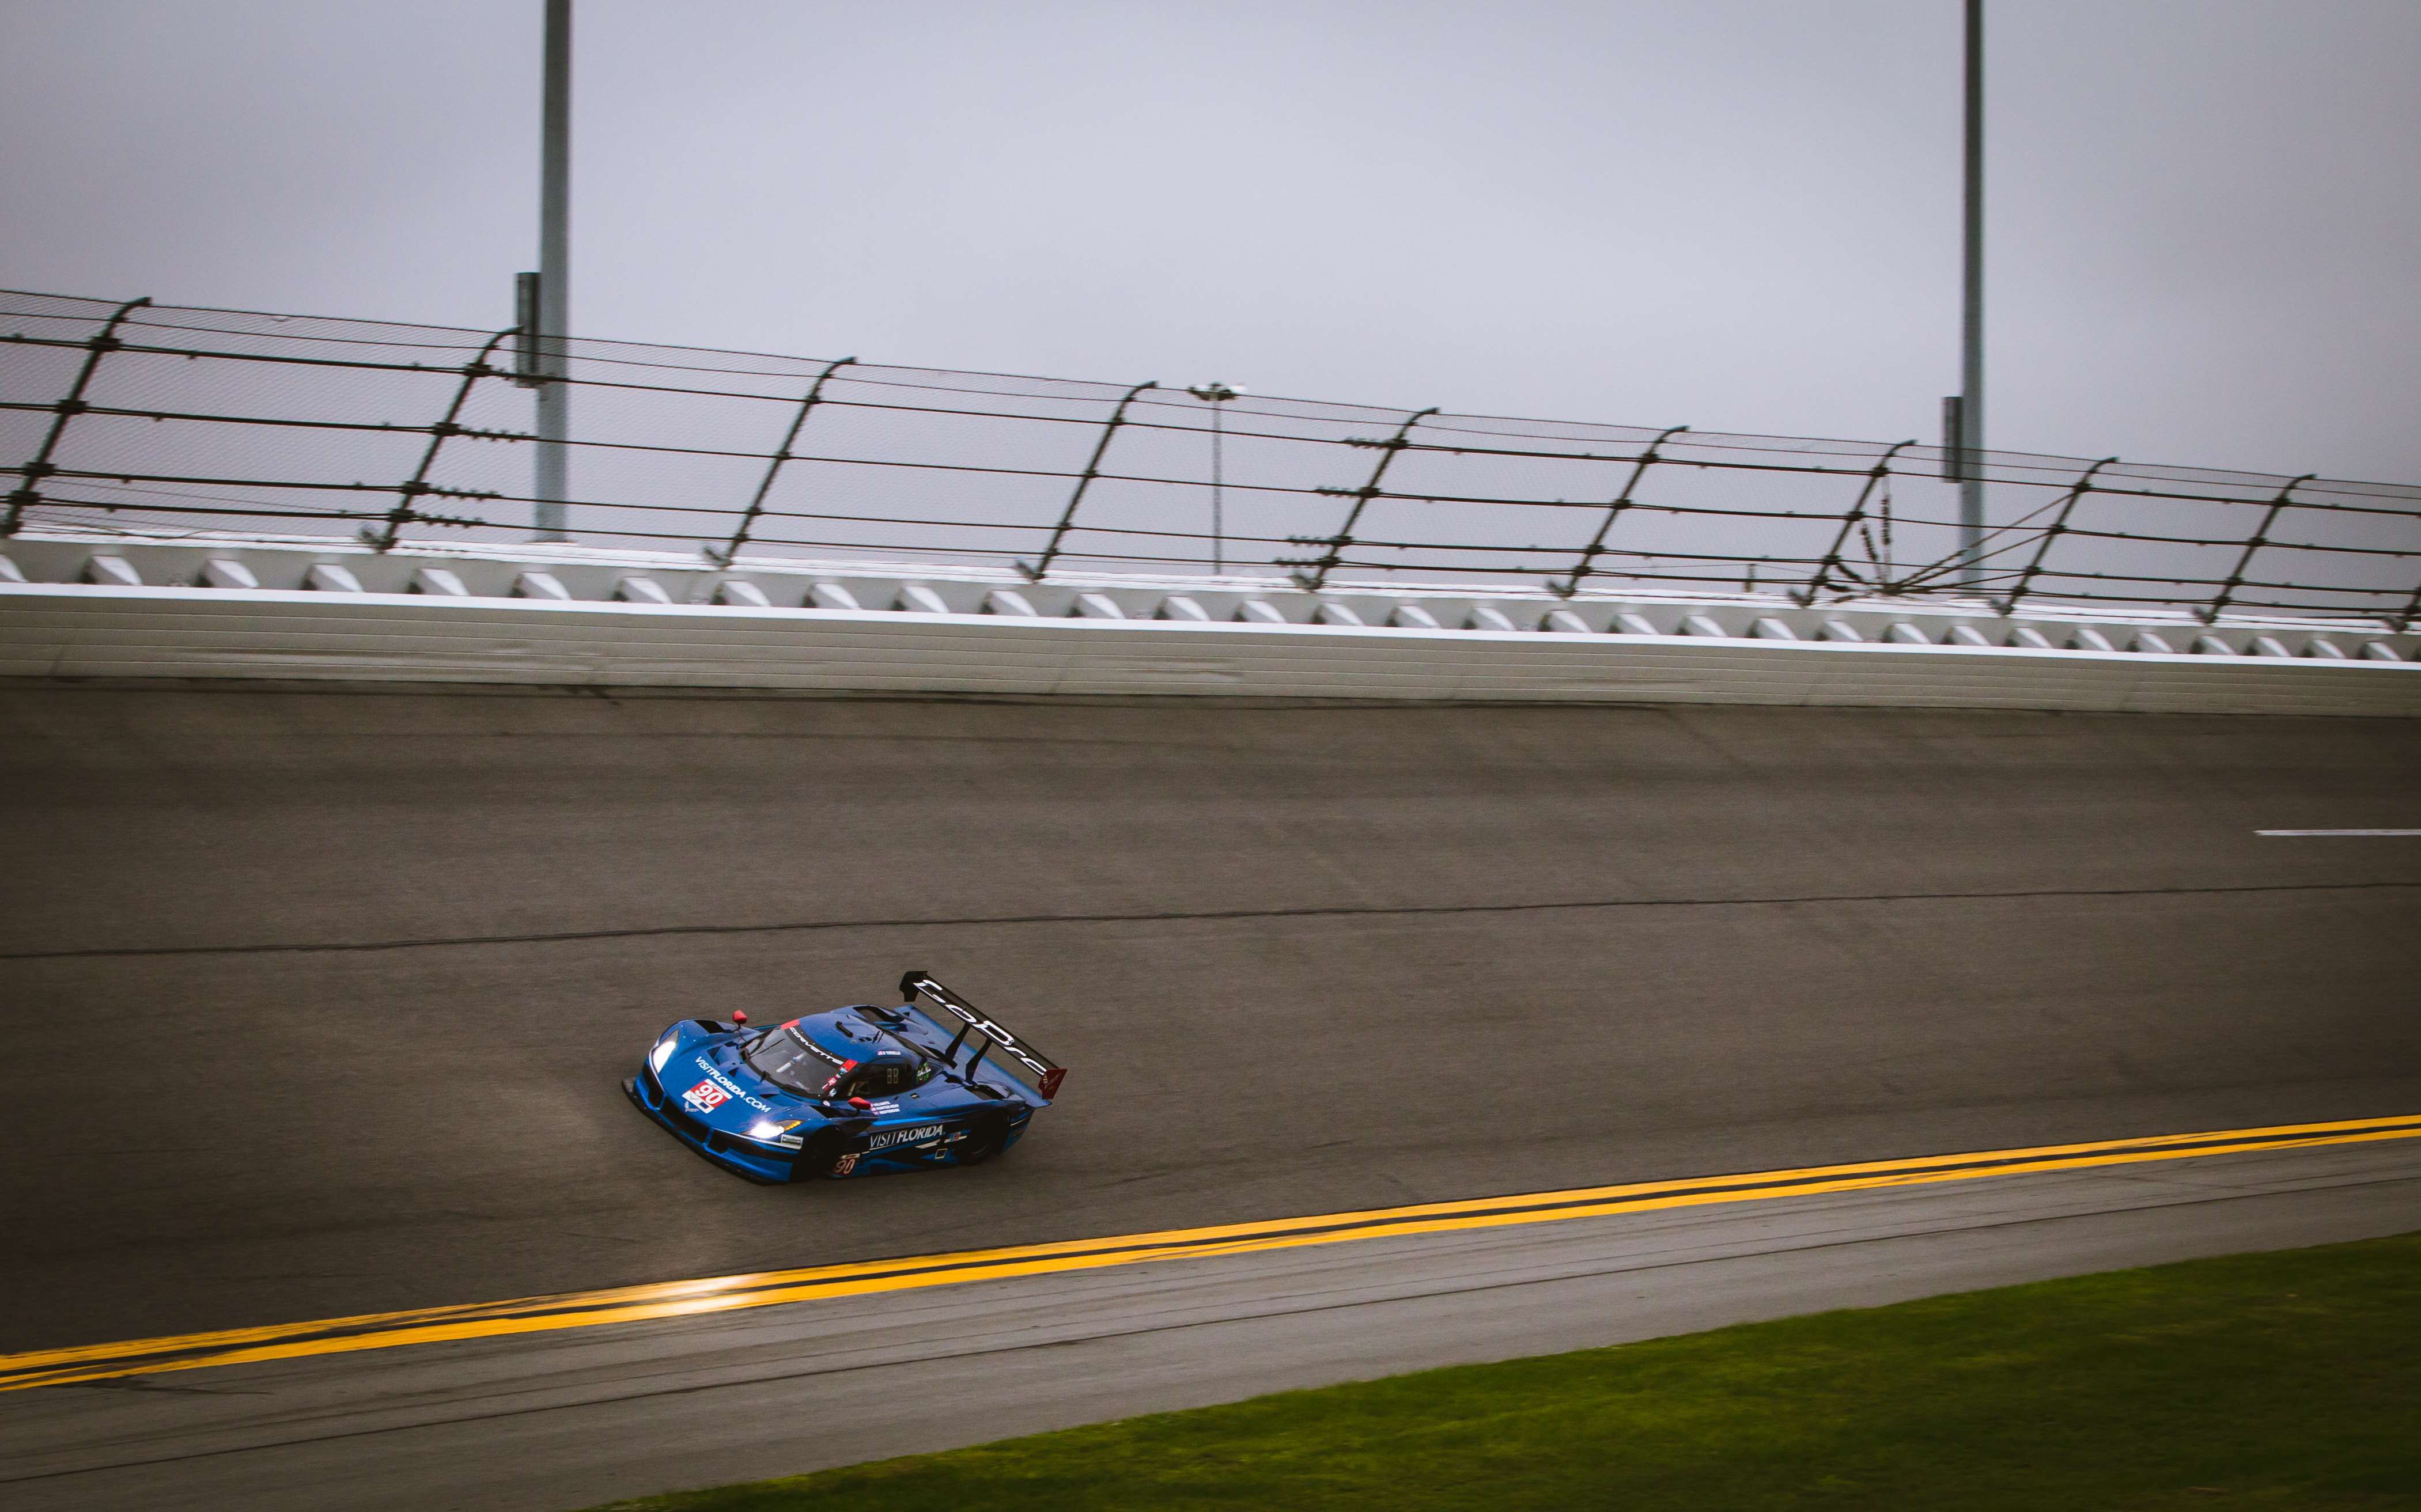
854	1091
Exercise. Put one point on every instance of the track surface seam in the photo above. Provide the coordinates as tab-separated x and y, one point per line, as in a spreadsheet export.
1179	916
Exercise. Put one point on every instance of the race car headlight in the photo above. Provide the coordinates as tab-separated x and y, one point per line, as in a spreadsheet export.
662	1053
775	1131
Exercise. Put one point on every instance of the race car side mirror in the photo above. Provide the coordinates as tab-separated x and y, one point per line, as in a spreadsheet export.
739	1020
861	1104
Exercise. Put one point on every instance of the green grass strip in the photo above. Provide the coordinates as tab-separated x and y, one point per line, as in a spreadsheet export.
2289	1379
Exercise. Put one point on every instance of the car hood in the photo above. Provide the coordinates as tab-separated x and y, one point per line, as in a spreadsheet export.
707	1080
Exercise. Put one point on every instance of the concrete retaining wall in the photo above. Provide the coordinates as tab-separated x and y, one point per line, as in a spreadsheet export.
107	630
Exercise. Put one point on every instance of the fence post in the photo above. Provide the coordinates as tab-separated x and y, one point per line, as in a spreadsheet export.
2411	612
1034	570
731	549
28	490
2059	522
1848	525
2260	538
1322	566
1614	512
404	513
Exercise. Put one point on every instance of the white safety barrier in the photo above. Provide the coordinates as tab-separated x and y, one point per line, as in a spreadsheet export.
614	619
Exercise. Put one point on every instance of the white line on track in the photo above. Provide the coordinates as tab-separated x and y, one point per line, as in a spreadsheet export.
2311	834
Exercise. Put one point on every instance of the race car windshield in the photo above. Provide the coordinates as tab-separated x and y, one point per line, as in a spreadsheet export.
782	1055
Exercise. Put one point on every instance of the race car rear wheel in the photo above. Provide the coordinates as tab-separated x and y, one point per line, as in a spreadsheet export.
983	1141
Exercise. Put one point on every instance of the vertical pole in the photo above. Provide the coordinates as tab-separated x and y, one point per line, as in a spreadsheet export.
28	491
1215	394
1971	322
1218	525
2259	538
554	277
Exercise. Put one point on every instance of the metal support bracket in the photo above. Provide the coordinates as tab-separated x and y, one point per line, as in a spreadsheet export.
726	554
1034	570
1321	566
1571	584
28	491
415	486
2260	538
2083	485
1850	524
2411	612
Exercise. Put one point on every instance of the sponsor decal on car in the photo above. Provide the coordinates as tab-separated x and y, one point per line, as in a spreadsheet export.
813	1049
1046	1076
890	1138
730	1088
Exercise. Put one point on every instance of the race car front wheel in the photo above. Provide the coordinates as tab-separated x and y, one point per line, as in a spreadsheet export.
983	1142
824	1157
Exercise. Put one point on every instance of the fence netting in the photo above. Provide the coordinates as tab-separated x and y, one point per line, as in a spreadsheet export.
155	419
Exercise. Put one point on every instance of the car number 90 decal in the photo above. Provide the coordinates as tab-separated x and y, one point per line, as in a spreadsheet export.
705	1097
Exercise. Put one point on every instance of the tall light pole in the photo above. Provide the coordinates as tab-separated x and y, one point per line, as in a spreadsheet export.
1215	396
554	277
1970	438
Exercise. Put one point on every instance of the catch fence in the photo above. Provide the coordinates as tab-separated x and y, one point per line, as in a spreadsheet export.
149	418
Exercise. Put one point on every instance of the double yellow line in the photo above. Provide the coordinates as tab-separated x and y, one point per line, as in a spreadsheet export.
772	1288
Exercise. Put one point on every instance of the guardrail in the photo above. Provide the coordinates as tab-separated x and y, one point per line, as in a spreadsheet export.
134	416
85	605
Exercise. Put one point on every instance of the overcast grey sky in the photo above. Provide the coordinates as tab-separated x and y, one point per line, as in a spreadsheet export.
1741	214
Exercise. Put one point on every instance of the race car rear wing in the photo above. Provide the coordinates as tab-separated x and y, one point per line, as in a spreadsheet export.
1018	1059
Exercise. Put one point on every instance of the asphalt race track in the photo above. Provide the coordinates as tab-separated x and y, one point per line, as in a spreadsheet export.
1299	959
321	997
